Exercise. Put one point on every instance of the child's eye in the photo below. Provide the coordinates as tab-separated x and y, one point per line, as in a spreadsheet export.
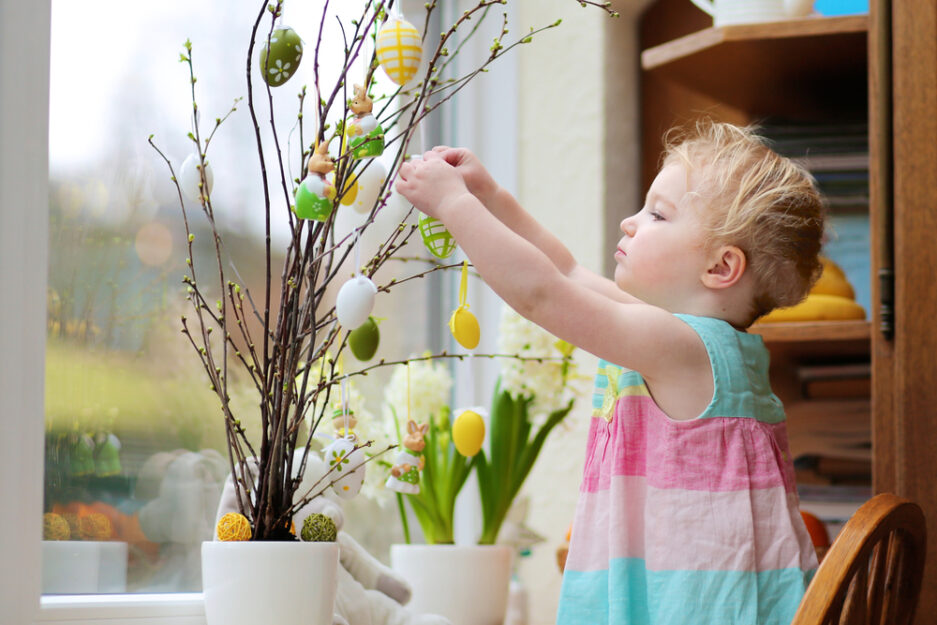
656	216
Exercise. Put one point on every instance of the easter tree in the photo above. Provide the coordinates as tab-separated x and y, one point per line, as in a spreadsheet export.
286	339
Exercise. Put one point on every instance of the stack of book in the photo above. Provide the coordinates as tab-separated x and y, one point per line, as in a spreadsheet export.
836	154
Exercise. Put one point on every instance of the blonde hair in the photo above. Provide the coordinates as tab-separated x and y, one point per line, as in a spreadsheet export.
757	200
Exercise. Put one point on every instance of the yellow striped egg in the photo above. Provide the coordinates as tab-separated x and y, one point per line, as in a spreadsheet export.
399	50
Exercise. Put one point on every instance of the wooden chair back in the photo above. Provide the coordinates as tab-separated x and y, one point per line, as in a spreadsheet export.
872	573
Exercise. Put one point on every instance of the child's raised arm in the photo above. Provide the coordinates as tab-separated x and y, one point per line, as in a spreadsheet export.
508	210
639	336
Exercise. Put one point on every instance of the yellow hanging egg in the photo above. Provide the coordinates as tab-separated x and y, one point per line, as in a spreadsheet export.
464	327
234	526
399	50
468	432
351	191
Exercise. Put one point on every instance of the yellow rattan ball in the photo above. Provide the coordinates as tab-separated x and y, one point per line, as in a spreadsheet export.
95	526
54	527
234	526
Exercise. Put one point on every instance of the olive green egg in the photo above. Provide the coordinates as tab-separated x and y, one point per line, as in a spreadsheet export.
279	60
364	340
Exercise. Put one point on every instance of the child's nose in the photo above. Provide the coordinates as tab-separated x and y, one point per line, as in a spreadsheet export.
627	225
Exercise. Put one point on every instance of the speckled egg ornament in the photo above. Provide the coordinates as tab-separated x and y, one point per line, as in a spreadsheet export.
190	178
462	323
233	526
346	465
437	240
279	60
355	301
399	50
370	177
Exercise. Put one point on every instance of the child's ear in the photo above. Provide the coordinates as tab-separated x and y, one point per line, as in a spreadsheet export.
726	267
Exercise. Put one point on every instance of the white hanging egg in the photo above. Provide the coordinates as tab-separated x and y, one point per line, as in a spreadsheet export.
399	50
355	301
190	178
346	464
371	175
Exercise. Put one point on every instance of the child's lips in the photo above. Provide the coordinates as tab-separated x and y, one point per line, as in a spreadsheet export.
620	251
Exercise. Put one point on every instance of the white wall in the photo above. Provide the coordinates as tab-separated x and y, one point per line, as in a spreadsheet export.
578	173
561	181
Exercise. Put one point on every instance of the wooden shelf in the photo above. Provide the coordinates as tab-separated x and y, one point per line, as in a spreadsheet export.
786	68
816	338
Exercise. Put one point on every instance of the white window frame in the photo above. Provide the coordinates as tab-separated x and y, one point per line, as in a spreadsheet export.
24	184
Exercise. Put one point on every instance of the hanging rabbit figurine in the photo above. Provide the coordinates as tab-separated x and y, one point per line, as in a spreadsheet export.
405	474
315	194
365	135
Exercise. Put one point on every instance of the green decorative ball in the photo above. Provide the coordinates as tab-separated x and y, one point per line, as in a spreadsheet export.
319	528
280	61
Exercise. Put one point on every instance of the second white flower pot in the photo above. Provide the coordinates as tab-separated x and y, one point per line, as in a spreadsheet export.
468	584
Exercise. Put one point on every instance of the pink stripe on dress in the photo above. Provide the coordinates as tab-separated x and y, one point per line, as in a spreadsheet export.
748	452
720	524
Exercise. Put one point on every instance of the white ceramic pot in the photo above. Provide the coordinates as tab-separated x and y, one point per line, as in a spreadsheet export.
468	584
287	583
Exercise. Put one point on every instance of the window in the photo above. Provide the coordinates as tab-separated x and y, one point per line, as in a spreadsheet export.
30	247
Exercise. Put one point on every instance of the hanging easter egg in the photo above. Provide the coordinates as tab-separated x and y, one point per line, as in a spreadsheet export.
314	197
279	60
462	323
436	238
364	340
468	432
190	178
399	50
371	175
355	301
346	465
365	136
351	191
464	328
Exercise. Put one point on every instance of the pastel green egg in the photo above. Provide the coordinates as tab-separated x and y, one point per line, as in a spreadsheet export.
364	339
280	61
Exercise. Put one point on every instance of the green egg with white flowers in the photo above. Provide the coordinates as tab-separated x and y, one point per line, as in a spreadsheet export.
280	59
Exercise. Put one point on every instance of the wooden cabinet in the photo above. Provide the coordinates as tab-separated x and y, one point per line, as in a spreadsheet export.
879	69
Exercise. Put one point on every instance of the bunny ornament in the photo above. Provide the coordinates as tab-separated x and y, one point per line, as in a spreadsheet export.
405	474
365	135
316	194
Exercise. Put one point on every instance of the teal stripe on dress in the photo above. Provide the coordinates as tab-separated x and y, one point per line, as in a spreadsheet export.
740	371
643	597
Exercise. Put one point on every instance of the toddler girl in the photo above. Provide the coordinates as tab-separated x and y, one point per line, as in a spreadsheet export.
688	512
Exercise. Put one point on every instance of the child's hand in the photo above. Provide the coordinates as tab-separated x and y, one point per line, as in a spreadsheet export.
430	185
476	177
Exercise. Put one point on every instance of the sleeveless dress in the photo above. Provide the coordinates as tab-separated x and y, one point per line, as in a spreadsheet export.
688	522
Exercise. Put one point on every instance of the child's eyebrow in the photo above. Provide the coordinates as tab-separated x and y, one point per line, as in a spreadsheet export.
660	199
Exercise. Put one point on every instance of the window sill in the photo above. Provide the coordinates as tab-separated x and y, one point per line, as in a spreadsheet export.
148	609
